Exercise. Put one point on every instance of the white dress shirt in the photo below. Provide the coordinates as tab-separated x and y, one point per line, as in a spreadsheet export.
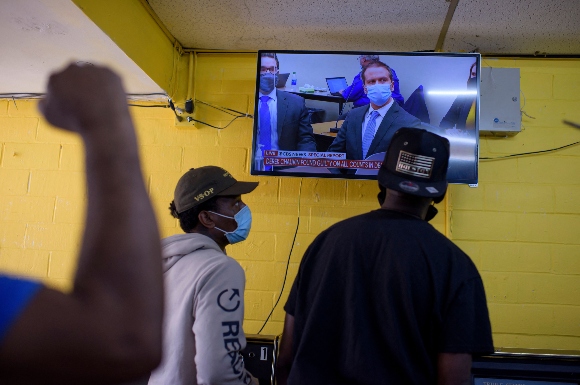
382	112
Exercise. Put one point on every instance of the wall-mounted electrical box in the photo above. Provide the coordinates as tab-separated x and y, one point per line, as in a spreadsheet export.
499	112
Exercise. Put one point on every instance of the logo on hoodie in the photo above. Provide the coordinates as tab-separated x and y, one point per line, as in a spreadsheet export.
227	303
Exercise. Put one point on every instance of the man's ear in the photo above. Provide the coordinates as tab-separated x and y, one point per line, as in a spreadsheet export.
381	195
205	219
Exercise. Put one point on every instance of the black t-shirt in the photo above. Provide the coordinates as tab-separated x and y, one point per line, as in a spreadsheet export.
377	297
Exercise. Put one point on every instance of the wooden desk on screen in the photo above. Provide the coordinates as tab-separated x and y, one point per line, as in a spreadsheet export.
324	127
322	134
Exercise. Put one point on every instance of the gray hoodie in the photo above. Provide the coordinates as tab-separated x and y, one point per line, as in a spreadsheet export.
204	311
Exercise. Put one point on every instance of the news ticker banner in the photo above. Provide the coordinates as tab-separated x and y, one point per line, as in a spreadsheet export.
316	159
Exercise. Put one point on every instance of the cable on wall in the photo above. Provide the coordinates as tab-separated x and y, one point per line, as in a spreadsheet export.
38	95
25	95
522	111
190	119
531	152
143	98
226	110
569	123
149	106
287	262
130	97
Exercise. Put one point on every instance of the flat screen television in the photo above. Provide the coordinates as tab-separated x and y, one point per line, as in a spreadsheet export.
303	129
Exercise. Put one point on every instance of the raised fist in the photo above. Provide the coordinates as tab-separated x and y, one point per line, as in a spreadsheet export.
81	98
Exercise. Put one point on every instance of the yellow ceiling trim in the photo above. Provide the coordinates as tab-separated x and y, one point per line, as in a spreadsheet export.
135	28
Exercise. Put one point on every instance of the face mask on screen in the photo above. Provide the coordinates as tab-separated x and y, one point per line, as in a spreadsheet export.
378	94
267	82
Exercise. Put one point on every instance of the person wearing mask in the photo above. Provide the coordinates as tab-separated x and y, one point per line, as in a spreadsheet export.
368	130
107	329
461	114
355	92
283	119
383	297
204	301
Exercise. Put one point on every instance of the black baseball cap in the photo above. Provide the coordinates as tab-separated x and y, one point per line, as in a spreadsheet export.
200	184
416	163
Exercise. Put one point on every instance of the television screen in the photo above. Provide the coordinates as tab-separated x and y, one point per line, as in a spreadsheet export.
332	114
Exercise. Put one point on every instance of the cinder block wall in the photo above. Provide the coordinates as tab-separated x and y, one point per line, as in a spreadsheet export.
530	266
521	225
278	203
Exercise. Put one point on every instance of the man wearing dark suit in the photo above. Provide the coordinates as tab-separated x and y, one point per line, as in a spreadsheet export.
283	121
294	129
368	130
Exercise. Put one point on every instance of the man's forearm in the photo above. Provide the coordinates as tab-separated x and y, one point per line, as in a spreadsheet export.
119	211
109	328
121	249
285	357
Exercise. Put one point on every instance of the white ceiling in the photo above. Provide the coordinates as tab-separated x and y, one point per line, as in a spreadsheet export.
488	26
39	36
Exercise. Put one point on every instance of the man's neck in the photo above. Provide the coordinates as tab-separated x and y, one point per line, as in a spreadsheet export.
219	238
413	213
270	94
406	204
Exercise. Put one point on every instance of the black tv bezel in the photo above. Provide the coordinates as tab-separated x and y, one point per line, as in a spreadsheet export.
253	171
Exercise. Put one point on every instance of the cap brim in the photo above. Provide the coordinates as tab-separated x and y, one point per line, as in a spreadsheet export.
239	188
428	190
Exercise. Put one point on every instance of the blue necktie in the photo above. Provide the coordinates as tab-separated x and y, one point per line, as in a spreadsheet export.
265	124
369	133
265	137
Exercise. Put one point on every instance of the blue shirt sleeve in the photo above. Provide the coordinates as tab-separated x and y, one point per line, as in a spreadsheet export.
355	92
15	294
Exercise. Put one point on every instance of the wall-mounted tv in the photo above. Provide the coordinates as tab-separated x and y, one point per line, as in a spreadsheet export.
332	114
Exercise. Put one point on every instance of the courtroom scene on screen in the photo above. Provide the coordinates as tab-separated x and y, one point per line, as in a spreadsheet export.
333	115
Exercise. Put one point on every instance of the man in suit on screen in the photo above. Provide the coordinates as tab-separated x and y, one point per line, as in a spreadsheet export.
283	120
369	129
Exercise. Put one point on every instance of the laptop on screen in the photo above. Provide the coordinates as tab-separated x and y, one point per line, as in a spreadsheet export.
336	84
281	80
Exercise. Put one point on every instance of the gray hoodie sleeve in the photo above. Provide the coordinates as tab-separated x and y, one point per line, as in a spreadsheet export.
219	337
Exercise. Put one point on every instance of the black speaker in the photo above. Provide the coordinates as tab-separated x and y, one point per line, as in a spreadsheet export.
260	356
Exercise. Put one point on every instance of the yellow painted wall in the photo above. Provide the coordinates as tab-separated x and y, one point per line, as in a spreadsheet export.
519	225
522	224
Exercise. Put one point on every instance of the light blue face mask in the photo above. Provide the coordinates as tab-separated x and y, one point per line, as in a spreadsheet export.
244	220
378	93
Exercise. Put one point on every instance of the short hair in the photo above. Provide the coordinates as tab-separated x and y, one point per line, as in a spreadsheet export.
273	56
471	68
371	57
188	220
376	63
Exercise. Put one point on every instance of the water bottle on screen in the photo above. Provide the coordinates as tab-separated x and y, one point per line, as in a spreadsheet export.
259	159
294	81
